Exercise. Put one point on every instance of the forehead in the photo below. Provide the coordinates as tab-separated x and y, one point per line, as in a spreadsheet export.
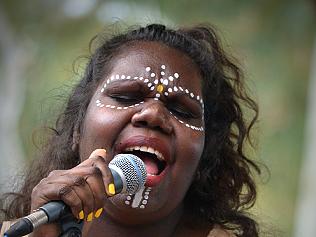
134	58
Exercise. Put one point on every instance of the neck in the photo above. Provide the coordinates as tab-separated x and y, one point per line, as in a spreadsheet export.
105	226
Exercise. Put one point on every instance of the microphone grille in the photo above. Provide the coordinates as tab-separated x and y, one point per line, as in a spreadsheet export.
133	169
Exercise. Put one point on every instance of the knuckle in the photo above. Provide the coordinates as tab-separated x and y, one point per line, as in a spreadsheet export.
95	171
76	204
64	191
53	173
98	159
79	181
34	191
38	188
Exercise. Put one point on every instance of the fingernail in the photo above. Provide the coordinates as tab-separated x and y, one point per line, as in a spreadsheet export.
90	217
111	189
98	152
98	213
81	215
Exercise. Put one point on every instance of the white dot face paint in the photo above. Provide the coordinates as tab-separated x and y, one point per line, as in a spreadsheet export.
165	85
140	199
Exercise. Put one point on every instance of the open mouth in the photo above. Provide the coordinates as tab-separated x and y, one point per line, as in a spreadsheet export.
153	160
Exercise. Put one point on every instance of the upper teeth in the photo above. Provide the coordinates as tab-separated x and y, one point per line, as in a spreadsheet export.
146	149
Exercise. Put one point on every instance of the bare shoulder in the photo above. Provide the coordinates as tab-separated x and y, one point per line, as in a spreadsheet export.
219	232
203	231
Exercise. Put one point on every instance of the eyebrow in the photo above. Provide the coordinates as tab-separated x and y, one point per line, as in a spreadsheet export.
152	83
139	86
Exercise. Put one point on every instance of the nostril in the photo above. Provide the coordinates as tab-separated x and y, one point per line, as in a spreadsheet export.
141	124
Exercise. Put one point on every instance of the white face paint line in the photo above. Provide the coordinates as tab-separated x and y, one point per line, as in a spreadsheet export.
154	85
137	198
140	199
201	129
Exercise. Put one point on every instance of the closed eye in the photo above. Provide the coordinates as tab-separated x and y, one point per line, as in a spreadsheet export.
126	99
181	111
125	92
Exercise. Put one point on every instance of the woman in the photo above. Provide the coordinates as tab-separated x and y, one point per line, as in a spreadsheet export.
173	98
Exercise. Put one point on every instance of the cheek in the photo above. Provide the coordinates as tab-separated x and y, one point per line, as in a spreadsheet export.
191	144
100	129
189	154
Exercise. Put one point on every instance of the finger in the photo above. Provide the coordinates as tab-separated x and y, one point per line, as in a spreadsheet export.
62	187
70	197
97	152
98	158
102	165
95	182
91	191
56	191
93	194
78	196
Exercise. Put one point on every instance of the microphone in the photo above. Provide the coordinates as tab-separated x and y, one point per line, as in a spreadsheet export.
129	176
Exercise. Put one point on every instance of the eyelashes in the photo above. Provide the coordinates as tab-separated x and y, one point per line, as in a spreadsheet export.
124	99
181	111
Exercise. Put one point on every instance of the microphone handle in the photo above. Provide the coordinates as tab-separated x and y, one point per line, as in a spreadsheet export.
48	213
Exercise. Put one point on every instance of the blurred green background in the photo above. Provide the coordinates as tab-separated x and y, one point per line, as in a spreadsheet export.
273	39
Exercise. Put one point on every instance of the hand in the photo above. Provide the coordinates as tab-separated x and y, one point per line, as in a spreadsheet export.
83	188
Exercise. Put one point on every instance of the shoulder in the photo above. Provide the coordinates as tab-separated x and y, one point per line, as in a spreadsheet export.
220	232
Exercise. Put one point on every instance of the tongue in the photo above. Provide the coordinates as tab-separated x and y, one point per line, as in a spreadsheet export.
151	166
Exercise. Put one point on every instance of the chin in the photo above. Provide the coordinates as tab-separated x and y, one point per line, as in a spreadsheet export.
138	209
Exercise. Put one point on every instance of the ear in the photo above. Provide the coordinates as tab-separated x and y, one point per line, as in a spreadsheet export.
75	138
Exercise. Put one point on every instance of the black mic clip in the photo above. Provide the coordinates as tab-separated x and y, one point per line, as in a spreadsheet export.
70	226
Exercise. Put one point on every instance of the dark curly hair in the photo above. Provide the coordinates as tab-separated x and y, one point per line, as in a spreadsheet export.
223	188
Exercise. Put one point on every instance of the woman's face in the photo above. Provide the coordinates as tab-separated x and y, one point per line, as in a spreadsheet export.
149	105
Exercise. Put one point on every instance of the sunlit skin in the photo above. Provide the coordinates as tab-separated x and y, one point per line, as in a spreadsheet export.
149	124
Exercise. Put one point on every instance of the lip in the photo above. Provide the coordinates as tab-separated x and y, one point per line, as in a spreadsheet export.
158	144
153	180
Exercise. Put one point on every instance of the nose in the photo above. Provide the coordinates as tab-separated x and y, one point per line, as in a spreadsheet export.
153	115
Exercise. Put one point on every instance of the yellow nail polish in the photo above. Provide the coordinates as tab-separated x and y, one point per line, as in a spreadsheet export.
81	215
98	213
90	217
111	189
